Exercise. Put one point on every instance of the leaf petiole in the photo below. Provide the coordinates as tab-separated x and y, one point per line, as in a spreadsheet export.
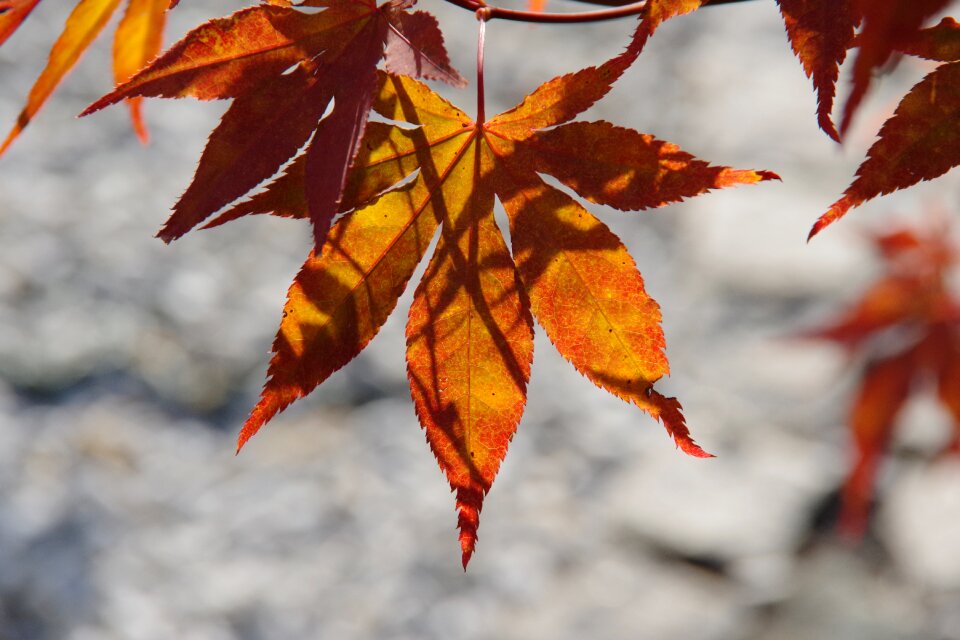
483	15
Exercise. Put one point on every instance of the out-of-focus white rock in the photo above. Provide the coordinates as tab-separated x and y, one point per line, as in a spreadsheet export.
748	501
835	593
921	522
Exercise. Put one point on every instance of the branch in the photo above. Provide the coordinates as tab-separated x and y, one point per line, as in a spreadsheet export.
619	9
620	3
553	18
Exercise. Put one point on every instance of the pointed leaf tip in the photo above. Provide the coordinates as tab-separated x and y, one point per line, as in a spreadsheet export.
670	413
469	503
691	448
734	177
820	34
270	405
166	235
836	211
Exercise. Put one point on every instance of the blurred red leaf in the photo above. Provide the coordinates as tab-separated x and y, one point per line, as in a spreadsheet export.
912	305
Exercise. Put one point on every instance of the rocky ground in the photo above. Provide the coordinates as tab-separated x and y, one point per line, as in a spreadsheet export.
126	367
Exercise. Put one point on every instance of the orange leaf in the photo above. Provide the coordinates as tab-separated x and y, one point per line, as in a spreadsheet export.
561	99
16	11
469	342
342	297
820	33
83	26
136	42
586	292
625	169
369	254
921	141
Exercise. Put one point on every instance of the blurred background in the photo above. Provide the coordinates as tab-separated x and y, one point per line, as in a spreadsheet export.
128	366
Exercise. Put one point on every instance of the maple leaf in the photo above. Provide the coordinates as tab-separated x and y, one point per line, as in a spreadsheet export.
244	56
470	327
921	141
910	307
820	33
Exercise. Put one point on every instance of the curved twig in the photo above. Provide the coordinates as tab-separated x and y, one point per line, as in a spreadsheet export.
554	18
618	9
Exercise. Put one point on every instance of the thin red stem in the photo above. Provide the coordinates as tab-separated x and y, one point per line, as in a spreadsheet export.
620	9
482	16
554	18
620	3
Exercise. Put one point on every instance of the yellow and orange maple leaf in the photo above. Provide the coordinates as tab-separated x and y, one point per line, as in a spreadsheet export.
470	328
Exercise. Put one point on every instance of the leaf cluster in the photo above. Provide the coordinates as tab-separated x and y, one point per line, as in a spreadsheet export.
330	122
